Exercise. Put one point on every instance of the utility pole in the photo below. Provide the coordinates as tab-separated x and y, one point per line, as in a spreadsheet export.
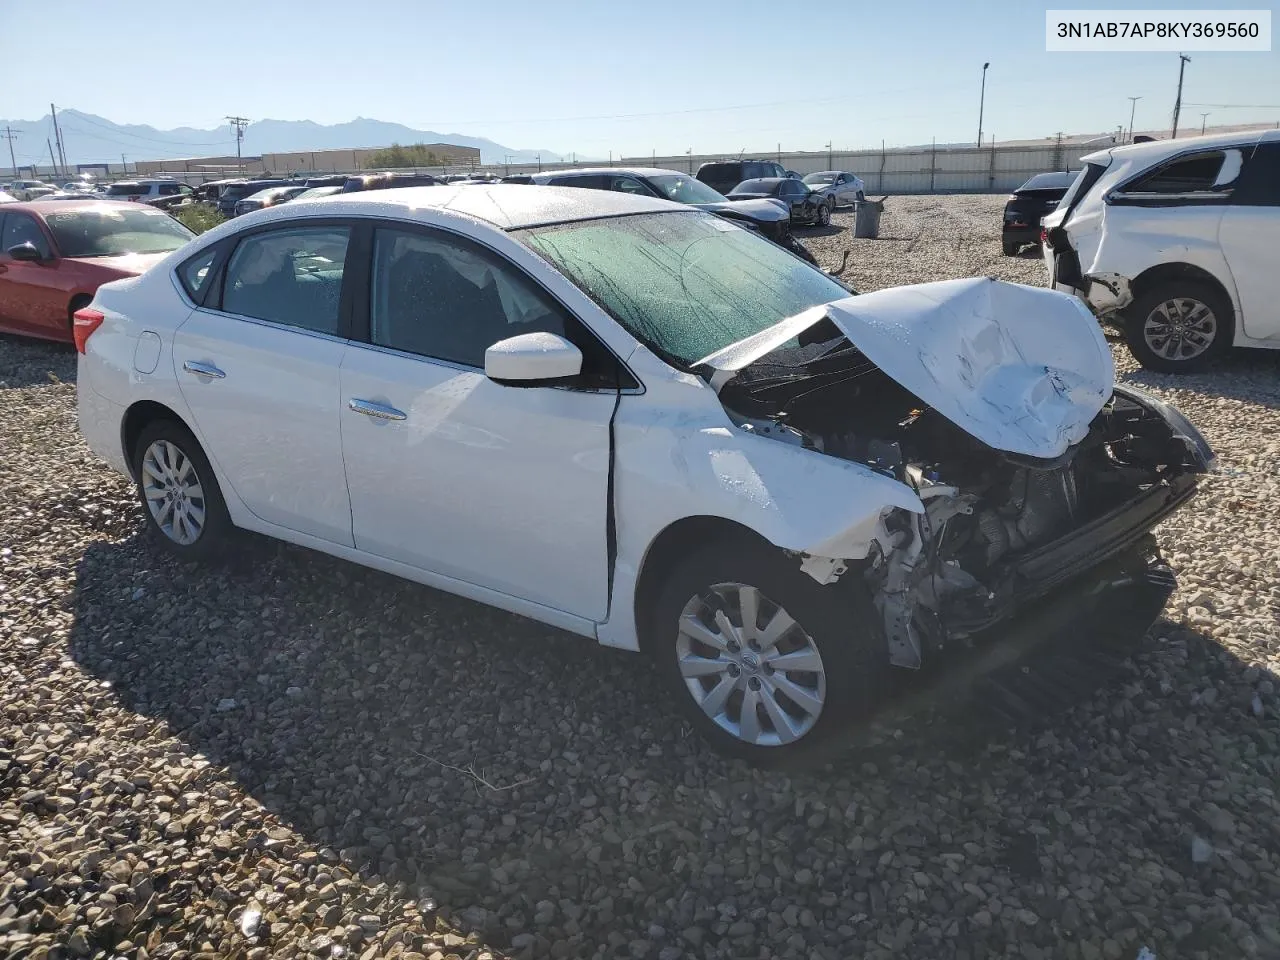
239	123
52	156
540	162
10	134
124	163
1133	106
57	136
689	153
1203	117
829	160
1177	104
982	100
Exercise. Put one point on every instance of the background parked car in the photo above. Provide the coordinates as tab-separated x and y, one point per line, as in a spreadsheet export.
326	180
209	191
268	198
54	256
233	193
1175	241
1027	206
805	205
143	190
386	181
81	186
839	185
770	218
29	189
723	175
315	193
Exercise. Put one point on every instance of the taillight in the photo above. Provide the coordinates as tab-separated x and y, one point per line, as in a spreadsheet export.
1044	235
84	322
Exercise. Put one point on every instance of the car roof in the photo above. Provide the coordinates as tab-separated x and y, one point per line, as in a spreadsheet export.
1049	181
762	181
1156	150
507	206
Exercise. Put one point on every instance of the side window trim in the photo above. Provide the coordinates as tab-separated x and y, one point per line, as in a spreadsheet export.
362	297
215	297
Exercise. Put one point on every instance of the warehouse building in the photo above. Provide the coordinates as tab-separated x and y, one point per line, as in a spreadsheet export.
303	162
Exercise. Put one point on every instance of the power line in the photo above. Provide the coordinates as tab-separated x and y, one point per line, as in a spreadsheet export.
1236	106
137	136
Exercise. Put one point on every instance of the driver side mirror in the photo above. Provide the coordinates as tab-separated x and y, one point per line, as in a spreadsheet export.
532	360
25	251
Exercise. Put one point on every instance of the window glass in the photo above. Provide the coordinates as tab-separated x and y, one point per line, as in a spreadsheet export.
441	297
631	185
1189	175
1259	183
196	273
112	232
586	182
687	284
125	190
168	189
291	276
20	228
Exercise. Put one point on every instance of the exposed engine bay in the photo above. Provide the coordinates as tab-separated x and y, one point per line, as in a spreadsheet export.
999	529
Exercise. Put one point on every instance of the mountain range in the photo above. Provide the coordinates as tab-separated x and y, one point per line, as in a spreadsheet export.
88	138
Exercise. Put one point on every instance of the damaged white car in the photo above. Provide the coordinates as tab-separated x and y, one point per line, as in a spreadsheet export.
643	424
1174	242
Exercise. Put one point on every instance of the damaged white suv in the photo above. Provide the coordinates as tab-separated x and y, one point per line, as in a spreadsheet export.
1175	242
643	424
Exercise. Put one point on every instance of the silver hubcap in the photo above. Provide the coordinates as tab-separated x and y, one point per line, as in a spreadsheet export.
173	492
1180	329
749	666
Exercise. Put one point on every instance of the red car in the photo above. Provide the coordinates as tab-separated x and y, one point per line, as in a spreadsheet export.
54	254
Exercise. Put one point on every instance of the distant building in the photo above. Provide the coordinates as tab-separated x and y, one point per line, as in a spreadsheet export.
310	161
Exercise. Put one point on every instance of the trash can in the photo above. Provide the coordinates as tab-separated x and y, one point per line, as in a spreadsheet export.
866	218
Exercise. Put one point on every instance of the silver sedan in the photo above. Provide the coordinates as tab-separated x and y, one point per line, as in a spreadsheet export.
842	187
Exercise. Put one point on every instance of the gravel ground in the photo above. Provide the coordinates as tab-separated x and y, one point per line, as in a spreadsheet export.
291	756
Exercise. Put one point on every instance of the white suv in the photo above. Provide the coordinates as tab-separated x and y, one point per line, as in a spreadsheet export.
1174	242
145	190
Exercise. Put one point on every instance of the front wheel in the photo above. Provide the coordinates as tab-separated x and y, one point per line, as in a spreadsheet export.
823	216
766	664
179	493
1178	327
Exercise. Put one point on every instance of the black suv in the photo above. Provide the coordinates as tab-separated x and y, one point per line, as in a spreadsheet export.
232	193
724	175
386	181
1028	205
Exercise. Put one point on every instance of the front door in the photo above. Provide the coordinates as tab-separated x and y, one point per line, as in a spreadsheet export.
32	295
1250	235
497	486
259	371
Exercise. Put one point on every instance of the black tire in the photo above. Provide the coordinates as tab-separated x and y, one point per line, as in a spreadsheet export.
217	529
1135	316
822	218
1010	247
854	659
801	251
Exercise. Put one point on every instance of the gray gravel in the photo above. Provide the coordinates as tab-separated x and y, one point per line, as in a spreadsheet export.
291	756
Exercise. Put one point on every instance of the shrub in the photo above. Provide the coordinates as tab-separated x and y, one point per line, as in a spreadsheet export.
199	217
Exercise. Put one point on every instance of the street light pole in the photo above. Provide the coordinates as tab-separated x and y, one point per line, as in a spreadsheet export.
1177	104
1133	106
1203	117
982	100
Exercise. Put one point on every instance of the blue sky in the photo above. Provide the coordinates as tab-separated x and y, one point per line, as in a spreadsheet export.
627	78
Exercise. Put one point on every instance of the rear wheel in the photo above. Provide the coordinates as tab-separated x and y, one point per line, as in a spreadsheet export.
1179	326
1010	247
766	664
179	493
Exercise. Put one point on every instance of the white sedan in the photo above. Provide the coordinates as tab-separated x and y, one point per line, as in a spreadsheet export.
840	186
640	423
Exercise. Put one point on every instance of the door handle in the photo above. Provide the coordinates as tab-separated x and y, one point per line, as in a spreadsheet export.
203	370
379	411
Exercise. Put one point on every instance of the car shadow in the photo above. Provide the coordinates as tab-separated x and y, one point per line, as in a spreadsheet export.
811	230
27	362
484	760
1250	376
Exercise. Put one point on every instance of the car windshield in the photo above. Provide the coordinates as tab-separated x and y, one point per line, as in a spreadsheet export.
684	189
685	284
112	232
315	193
820	178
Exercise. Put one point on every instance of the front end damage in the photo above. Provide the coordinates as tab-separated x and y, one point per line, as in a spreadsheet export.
1032	471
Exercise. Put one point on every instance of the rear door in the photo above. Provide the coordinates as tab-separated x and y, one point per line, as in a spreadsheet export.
1250	237
258	367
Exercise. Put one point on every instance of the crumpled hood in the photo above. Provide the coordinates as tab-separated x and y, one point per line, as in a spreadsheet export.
1022	369
769	211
